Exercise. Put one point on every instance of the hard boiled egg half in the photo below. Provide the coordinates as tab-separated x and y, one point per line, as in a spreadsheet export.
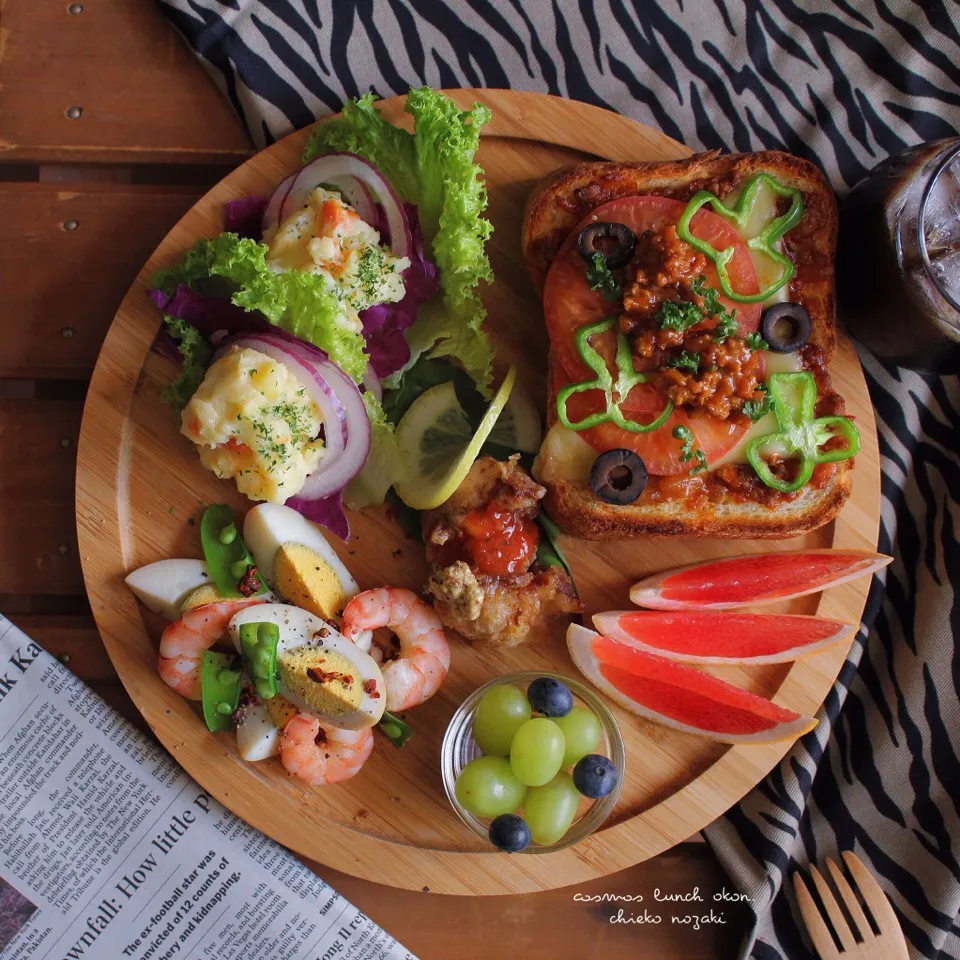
261	723
320	671
164	586
295	559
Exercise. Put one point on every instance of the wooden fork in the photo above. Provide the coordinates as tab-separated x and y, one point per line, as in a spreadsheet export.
860	941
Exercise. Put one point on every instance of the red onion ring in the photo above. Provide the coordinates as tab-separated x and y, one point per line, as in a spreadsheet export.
271	215
340	402
343	169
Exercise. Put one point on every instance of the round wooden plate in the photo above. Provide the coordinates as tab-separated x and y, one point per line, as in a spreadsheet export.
140	489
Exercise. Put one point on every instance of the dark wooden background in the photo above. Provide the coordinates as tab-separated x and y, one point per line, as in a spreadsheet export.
109	131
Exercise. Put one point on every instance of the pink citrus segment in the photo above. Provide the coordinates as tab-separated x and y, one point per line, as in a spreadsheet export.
679	696
753	579
707	636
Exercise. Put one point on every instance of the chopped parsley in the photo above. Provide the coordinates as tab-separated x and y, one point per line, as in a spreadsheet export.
757	409
296	416
712	307
679	315
687	449
727	326
370	270
686	361
755	341
600	277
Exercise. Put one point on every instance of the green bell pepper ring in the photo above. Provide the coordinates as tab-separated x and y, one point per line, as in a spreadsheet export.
394	729
794	399
258	647
763	242
228	560
615	391
220	690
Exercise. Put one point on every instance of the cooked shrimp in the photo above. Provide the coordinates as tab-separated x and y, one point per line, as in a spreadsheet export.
424	652
183	642
319	754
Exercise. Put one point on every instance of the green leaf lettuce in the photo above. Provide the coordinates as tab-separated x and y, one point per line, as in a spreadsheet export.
433	168
302	303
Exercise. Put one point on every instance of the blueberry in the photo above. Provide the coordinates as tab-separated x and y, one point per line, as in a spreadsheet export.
509	833
550	697
594	776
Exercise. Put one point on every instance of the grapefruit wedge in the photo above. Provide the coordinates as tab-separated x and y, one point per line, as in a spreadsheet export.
753	579
679	696
709	636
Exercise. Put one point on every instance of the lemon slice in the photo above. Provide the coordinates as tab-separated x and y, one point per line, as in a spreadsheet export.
519	426
433	466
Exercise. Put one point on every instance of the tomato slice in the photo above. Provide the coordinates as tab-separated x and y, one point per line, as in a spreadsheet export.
569	303
659	449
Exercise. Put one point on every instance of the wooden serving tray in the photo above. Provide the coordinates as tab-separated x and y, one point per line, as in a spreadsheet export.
139	483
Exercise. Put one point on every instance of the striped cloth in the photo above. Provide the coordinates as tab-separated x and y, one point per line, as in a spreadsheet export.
844	84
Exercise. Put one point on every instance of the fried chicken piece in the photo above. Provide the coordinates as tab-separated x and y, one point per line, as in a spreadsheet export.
502	480
507	611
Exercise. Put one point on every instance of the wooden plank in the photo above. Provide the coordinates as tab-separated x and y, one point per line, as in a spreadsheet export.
141	93
68	257
555	924
76	642
38	540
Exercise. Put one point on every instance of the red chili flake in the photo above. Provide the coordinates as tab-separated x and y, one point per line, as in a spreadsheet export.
323	676
370	689
250	582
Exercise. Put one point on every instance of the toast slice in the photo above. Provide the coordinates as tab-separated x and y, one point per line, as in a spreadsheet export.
552	211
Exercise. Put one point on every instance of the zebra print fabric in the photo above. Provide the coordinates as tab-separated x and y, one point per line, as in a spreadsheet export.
844	83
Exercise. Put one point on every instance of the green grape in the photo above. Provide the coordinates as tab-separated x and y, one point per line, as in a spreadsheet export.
536	752
500	712
581	733
487	787
549	810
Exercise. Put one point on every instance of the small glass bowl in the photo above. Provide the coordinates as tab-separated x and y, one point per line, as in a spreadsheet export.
459	748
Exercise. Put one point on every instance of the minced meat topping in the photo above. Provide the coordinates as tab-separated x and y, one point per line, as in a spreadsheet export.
700	363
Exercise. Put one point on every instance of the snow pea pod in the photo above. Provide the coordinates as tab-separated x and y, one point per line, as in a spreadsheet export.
258	646
220	689
229	562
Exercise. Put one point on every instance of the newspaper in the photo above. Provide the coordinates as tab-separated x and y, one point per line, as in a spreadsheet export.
109	850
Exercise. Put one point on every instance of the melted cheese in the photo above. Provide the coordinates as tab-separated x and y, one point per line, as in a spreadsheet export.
763	211
564	455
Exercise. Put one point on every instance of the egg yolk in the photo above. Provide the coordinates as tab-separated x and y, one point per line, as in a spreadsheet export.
253	421
325	680
302	577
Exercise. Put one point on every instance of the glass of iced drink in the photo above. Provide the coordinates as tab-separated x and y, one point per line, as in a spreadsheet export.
898	259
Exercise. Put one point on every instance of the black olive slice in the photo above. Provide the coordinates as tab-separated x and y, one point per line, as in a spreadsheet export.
618	476
785	326
614	240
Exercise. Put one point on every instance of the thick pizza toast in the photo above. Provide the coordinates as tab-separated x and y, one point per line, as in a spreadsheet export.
556	206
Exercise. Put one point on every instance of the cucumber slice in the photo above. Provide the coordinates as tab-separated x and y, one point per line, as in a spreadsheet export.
436	446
